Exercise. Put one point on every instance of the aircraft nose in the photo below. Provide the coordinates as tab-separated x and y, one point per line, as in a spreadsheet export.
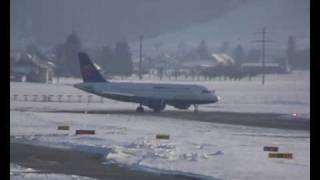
215	98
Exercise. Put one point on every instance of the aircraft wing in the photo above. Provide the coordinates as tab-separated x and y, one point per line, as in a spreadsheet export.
125	96
117	94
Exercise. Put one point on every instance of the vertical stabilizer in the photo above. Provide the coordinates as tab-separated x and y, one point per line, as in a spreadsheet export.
88	70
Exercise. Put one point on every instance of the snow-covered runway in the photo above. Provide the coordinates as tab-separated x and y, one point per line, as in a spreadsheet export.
215	150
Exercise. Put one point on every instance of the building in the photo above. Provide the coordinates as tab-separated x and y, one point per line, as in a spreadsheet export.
269	68
213	61
31	69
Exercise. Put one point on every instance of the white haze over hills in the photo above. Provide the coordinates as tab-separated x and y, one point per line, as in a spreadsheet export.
101	23
280	17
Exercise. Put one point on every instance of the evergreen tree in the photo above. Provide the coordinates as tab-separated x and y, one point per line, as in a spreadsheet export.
292	52
72	48
107	60
123	61
202	50
239	55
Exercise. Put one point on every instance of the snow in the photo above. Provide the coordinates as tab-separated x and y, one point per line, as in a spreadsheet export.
18	172
206	149
285	94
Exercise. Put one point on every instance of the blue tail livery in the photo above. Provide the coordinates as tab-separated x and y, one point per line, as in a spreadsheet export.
88	71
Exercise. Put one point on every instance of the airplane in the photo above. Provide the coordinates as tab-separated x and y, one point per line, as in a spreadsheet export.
153	95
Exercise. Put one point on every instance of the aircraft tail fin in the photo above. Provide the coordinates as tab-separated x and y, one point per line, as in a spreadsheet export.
89	71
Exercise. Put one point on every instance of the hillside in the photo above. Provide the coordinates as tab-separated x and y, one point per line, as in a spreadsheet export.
281	18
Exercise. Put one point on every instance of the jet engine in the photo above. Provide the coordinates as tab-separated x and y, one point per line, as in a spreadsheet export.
181	106
156	105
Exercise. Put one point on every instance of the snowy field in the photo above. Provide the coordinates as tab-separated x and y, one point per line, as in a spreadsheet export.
281	94
216	151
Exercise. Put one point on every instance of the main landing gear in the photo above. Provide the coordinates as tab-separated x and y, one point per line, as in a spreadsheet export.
139	109
196	108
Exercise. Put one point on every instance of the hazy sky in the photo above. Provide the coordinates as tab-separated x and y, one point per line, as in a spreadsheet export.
103	22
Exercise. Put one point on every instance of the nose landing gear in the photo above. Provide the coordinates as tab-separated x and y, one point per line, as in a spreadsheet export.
139	109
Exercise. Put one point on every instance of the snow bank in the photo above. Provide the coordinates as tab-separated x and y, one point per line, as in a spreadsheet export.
18	173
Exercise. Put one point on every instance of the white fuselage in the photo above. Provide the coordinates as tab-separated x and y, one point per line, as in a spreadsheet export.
136	92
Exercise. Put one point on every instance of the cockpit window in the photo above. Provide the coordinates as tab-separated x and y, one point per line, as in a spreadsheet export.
205	91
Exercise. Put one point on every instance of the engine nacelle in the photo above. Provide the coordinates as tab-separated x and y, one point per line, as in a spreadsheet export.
181	106
156	105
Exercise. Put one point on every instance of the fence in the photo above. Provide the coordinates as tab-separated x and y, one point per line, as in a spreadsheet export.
63	98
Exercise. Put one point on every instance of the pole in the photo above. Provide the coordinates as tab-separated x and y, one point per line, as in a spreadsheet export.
263	53
140	60
263	42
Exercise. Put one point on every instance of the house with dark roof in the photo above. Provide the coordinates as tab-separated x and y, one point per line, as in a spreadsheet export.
31	69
